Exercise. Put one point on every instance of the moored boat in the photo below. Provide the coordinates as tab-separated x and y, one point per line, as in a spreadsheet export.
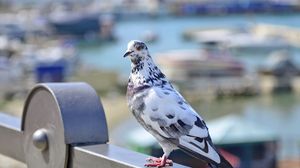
211	70
212	60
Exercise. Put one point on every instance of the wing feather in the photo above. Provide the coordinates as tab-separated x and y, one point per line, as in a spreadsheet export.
177	121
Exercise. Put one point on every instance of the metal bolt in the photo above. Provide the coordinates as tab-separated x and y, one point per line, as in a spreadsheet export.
40	139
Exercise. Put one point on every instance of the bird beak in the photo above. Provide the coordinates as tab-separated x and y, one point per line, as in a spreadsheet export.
128	52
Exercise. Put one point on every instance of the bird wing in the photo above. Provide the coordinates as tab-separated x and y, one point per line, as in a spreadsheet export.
169	115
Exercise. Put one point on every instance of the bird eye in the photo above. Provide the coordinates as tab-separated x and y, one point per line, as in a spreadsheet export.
139	48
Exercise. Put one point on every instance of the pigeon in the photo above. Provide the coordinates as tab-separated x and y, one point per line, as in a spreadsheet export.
164	113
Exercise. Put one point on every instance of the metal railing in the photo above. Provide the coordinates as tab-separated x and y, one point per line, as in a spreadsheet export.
63	125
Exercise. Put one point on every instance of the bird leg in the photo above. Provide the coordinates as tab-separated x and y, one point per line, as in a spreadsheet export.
159	162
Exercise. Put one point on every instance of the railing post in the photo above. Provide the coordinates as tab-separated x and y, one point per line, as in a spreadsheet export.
67	113
63	125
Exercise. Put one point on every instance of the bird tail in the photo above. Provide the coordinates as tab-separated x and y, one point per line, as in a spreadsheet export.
223	164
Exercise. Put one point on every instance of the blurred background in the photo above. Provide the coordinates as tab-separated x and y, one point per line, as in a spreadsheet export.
236	61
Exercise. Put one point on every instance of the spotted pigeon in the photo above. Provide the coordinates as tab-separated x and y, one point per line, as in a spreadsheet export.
164	113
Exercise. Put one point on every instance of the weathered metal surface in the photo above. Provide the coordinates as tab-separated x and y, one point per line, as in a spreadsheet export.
107	156
69	113
80	111
11	142
42	112
60	123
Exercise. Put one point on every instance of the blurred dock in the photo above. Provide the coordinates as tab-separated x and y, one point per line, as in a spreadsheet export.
290	34
274	43
38	42
252	37
279	73
211	70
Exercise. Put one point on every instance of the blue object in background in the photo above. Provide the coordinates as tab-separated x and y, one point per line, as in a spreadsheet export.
50	73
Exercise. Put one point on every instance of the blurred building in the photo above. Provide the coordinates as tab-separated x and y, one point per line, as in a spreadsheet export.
192	7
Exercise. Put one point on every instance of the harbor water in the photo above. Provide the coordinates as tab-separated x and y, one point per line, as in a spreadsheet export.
169	31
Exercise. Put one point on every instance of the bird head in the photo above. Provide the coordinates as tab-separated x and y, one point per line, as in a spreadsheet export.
137	51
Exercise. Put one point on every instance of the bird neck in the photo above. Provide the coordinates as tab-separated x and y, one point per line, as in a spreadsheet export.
147	73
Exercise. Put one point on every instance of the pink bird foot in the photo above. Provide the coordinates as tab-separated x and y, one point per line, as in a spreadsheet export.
158	162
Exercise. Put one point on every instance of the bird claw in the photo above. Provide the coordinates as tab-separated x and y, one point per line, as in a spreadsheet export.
151	159
158	162
158	165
